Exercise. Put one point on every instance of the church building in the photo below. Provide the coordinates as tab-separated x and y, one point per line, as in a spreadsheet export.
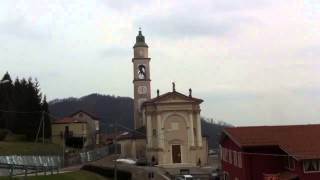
170	121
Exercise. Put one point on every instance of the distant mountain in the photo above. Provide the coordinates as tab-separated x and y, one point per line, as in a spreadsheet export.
110	108
212	130
107	108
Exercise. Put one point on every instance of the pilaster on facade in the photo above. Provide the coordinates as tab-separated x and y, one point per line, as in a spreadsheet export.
144	117
160	136
149	131
191	130
199	136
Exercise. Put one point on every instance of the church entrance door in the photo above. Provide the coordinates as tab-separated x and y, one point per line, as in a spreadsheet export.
176	153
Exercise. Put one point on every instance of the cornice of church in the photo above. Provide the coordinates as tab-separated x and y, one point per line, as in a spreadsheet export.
141	58
141	80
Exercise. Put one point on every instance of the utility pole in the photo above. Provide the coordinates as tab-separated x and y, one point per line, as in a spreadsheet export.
42	127
39	128
63	148
115	148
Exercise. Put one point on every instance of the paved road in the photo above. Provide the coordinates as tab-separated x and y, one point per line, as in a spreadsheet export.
138	172
141	172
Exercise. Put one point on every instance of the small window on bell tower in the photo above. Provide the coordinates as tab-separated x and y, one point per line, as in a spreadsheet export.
141	71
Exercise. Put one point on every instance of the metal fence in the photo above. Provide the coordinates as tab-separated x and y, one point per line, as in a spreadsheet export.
31	160
16	165
88	156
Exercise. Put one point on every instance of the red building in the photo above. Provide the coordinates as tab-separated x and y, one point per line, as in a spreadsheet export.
271	153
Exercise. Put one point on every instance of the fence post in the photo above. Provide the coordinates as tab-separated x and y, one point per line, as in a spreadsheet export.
25	171
11	170
37	168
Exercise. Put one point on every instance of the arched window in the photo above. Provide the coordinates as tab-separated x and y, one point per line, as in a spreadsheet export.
141	71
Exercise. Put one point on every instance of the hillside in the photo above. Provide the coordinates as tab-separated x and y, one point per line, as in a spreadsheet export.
107	108
110	108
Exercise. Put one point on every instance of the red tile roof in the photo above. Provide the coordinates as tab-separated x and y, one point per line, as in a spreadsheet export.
67	120
299	141
85	112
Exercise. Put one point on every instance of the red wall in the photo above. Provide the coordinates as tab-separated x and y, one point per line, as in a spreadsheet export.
258	165
253	166
230	168
257	161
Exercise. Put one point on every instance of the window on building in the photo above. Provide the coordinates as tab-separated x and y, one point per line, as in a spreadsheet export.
230	156
235	158
61	134
97	139
97	125
154	132
290	163
225	154
311	165
220	152
239	160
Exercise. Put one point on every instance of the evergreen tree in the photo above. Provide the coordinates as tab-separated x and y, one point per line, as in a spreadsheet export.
21	107
6	104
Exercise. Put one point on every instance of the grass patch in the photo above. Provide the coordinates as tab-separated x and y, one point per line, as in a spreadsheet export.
29	148
77	175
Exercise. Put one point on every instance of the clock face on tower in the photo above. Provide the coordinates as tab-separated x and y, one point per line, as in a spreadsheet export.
142	89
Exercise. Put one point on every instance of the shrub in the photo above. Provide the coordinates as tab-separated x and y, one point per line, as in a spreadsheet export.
107	172
3	134
15	137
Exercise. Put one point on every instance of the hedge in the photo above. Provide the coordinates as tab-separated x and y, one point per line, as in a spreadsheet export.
107	172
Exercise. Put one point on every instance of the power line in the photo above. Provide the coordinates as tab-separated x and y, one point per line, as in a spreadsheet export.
22	112
271	154
134	130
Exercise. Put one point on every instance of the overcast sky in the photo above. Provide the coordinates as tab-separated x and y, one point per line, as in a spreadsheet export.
253	62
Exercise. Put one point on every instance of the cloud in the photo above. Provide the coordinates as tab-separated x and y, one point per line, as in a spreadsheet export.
247	109
173	26
312	52
19	28
115	52
124	5
252	61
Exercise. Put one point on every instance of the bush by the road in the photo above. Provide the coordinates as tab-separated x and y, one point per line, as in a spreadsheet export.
107	172
3	134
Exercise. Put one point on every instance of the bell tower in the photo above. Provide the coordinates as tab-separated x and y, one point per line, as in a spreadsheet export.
141	78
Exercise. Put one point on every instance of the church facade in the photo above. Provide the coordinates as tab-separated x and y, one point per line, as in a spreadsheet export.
171	121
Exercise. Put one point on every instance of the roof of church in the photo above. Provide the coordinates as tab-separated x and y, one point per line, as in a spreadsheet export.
140	41
68	120
173	93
